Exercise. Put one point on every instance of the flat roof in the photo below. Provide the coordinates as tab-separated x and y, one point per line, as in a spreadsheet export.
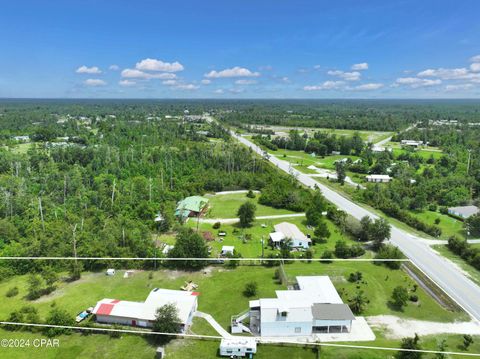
326	311
465	211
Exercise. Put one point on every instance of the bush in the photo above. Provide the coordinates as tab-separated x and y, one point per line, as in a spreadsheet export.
58	316
250	194
250	289
355	277
12	292
432	207
414	298
327	255
216	225
400	296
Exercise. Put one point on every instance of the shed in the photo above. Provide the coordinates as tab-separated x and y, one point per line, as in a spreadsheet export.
227	250
110	271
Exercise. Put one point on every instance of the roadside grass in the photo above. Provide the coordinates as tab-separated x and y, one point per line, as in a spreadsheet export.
471	271
449	226
226	206
303	159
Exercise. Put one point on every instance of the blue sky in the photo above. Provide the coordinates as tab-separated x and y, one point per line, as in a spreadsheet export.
240	49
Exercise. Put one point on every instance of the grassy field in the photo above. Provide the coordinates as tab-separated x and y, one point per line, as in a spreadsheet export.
303	159
450	226
253	247
216	285
368	136
226	206
424	152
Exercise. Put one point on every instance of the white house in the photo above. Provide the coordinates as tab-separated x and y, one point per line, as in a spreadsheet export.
238	347
284	231
315	307
378	178
464	211
142	314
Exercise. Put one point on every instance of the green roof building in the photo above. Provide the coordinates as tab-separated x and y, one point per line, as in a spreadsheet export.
191	206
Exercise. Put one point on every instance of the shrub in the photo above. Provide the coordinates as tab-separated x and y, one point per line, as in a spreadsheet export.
250	289
355	277
216	225
414	298
12	292
250	194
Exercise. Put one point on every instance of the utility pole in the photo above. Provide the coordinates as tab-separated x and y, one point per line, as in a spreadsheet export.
113	191
468	161
75	244
41	212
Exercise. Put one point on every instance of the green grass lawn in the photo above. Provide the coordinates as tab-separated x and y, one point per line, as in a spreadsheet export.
304	160
221	295
253	248
226	206
472	272
450	226
426	153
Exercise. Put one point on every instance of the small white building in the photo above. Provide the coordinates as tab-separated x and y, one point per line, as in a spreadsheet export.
412	143
463	211
143	314
238	347
285	231
378	178
110	271
315	307
227	250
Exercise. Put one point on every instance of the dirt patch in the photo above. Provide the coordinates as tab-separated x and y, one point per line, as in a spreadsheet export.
396	328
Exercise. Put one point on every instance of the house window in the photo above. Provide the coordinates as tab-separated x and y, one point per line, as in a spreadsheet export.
283	314
298	329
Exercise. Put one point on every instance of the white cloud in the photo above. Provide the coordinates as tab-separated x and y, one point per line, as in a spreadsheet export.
359	67
347	76
245	82
114	67
445	74
188	87
475	58
327	85
94	82
88	70
475	67
206	81
317	67
137	74
169	82
368	87
235	90
219	91
285	79
416	82
127	83
158	65
232	72
461	87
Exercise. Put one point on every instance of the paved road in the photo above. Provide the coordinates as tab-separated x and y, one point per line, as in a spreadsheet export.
442	271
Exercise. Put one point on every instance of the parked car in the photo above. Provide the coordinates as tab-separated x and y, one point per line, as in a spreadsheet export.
83	315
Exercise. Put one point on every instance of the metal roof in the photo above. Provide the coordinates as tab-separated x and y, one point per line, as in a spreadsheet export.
290	230
192	203
465	211
327	311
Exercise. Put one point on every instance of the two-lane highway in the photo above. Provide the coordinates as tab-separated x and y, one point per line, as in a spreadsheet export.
440	270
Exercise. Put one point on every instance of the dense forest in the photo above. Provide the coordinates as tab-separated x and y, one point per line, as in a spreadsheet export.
93	176
375	115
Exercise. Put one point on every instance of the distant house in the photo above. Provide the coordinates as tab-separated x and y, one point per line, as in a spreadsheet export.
143	314
343	160
378	178
314	307
285	231
464	211
191	207
21	138
412	143
238	347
